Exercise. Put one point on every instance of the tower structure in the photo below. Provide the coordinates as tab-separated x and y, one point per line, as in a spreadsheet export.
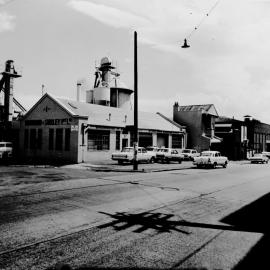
108	90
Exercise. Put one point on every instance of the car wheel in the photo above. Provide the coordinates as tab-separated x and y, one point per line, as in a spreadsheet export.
225	165
179	161
152	160
214	165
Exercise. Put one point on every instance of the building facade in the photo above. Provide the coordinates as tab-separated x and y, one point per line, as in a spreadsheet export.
71	131
258	135
200	123
234	137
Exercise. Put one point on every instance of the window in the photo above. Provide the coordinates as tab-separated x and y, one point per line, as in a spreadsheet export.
39	139
59	139
117	143
32	138
176	141
98	140
67	139
51	139
26	139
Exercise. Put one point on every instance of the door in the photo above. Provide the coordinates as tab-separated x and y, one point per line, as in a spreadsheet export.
124	143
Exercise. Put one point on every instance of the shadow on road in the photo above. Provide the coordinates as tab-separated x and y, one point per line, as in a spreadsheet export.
146	220
254	217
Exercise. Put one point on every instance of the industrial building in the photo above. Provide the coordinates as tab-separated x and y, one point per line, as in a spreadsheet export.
10	108
77	131
234	137
200	123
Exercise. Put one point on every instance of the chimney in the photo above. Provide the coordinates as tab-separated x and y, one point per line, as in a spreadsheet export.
79	86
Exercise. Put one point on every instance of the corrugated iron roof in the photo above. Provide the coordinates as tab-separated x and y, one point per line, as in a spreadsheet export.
204	108
115	117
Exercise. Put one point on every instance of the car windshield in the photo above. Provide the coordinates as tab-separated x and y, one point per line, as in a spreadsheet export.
127	150
186	151
2	145
150	148
206	154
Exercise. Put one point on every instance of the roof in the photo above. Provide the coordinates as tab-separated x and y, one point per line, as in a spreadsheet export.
99	115
205	108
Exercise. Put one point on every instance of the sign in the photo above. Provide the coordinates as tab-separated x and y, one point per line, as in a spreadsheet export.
74	128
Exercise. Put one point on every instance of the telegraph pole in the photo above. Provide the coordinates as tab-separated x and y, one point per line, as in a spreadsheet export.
135	129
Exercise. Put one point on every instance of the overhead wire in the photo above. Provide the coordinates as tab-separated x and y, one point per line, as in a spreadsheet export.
203	19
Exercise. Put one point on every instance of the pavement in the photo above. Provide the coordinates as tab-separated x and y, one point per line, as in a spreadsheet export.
108	165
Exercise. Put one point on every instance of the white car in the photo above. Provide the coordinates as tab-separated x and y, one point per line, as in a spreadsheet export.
168	154
259	158
6	150
210	159
190	154
152	150
266	154
127	155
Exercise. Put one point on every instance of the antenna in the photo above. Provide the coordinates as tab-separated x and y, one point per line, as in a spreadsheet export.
42	89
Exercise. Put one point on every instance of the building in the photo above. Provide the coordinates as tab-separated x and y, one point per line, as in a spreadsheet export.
10	108
200	123
76	131
258	135
234	137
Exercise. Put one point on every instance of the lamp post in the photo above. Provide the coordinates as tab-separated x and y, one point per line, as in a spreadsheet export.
135	129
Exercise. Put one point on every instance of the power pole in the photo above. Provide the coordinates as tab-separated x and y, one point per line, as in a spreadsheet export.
135	129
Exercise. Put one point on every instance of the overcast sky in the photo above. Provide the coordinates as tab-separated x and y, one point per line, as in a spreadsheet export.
57	42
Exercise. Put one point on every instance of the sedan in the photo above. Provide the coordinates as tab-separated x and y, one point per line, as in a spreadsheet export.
259	158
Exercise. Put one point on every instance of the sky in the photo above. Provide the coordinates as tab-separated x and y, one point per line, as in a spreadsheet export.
58	42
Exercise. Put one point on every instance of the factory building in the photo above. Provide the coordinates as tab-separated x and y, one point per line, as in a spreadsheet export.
76	131
10	108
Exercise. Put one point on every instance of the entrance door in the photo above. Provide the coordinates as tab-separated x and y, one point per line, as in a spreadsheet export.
124	143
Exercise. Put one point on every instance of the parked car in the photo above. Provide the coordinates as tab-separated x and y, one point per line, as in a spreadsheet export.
266	154
189	154
6	150
152	150
168	154
259	158
127	155
210	159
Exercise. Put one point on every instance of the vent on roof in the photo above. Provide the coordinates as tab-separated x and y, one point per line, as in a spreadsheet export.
71	105
109	119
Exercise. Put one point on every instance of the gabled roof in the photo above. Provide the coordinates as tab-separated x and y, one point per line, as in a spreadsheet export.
204	108
115	117
99	115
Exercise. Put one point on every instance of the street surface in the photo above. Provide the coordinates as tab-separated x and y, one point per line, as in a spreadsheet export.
185	218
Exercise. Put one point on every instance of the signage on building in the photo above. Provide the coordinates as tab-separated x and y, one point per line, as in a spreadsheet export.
74	128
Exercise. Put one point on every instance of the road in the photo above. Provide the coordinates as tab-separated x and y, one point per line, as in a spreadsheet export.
186	219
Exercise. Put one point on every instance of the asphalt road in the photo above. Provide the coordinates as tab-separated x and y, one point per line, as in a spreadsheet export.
186	219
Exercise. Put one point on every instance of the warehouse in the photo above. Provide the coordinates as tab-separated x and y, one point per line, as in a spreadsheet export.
74	131
77	131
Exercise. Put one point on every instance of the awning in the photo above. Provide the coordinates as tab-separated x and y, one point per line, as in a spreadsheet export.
214	139
223	125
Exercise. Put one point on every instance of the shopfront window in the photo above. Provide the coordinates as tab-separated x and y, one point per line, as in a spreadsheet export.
98	140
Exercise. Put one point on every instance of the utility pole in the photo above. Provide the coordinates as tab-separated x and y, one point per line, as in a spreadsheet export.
135	129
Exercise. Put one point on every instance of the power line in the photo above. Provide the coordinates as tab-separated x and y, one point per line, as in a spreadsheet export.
200	23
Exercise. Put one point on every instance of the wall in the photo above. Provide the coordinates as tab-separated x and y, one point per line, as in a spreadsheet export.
193	122
49	115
